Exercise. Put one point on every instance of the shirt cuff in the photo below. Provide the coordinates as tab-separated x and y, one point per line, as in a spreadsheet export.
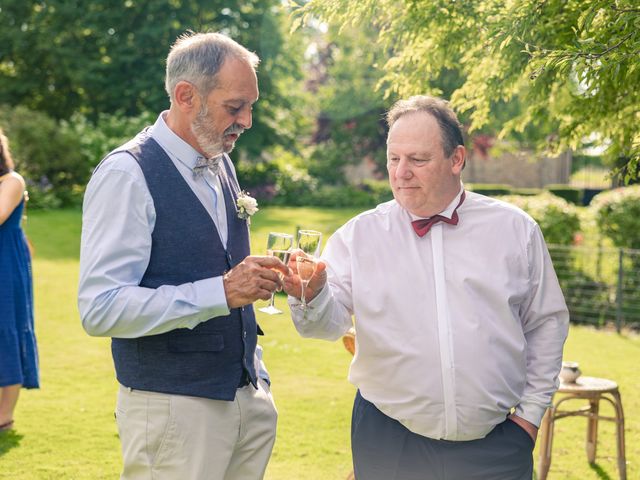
531	412
318	303
210	299
261	369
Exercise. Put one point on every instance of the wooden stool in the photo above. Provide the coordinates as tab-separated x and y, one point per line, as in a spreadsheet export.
349	341
591	389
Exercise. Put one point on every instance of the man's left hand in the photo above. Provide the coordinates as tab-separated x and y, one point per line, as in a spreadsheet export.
292	284
528	427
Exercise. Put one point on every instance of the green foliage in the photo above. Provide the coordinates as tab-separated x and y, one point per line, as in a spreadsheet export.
57	157
570	194
558	219
350	124
366	195
285	181
50	158
567	67
618	214
588	300
490	189
108	57
108	132
528	192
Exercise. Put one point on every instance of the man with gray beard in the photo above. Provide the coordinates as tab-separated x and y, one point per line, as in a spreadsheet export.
166	271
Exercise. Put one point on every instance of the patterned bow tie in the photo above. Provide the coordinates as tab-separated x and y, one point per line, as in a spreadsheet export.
423	225
202	164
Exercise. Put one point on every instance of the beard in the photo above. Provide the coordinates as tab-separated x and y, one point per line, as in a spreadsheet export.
208	138
211	142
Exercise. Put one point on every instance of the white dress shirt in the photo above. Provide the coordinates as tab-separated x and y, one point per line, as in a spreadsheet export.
453	329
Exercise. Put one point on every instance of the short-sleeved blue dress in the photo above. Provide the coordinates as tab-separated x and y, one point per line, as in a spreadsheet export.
18	350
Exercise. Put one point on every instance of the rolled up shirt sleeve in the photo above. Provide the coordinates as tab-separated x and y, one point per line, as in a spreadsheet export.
118	220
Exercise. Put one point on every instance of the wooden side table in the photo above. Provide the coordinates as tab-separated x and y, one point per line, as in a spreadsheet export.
593	390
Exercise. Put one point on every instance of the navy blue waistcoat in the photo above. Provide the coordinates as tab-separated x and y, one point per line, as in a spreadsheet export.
210	360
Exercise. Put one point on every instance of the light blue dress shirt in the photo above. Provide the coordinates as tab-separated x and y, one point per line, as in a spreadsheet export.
118	219
117	222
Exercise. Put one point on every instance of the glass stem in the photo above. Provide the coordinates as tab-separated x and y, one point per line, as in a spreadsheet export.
304	287
272	301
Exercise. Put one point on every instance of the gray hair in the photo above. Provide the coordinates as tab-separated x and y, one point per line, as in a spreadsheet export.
197	58
450	127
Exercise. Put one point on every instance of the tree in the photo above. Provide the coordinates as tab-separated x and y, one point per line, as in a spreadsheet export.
570	65
107	56
349	109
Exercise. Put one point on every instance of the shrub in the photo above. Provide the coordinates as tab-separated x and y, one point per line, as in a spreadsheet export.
588	299
281	181
380	190
526	192
557	218
57	158
111	131
335	196
618	215
490	189
49	158
570	194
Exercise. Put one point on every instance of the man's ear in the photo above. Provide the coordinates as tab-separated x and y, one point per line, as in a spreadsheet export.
186	96
458	159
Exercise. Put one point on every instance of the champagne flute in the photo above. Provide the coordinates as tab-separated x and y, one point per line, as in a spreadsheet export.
309	242
306	269
279	246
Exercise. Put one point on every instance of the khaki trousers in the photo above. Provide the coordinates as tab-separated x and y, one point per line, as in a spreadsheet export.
176	437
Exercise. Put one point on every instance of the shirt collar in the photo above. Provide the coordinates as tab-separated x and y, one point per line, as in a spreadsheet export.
172	143
448	211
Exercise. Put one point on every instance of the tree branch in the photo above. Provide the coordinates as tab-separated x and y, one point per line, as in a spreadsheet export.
565	53
625	10
592	56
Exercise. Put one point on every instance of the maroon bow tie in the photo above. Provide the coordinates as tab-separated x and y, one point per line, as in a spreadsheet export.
423	225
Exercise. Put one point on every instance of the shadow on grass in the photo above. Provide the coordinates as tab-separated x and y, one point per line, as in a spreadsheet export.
8	440
600	472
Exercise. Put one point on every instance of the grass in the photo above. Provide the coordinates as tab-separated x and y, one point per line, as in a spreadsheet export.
66	429
591	177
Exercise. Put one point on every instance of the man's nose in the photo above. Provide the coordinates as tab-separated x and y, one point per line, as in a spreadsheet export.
403	170
245	118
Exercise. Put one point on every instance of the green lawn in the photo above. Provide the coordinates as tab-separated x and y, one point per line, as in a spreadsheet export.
66	429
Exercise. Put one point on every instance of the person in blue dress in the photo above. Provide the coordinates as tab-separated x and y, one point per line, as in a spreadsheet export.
18	350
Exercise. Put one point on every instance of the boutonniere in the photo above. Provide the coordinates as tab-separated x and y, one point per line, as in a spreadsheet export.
246	206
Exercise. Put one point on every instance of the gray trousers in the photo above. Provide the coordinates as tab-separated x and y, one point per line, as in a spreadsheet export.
384	449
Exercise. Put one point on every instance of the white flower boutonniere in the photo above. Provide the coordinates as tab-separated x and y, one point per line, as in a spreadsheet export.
246	206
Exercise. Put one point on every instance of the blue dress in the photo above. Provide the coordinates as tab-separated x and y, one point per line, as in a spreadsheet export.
18	350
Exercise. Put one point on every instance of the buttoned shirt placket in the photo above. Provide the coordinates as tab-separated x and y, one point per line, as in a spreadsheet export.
213	183
444	333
